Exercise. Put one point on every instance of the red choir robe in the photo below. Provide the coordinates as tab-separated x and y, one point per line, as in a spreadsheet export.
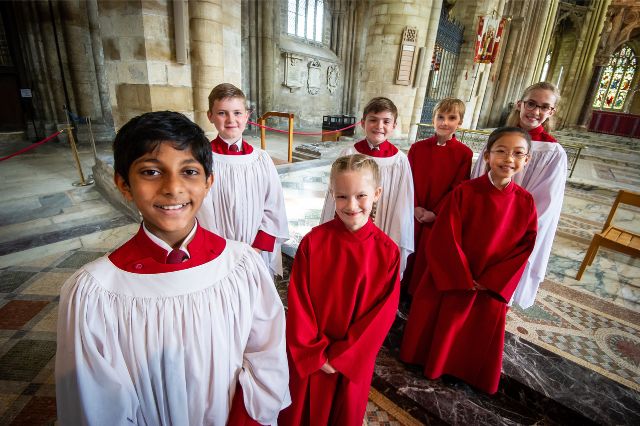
483	235
436	171
539	134
343	296
384	150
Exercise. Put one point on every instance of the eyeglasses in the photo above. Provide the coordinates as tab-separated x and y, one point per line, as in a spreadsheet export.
530	106
518	155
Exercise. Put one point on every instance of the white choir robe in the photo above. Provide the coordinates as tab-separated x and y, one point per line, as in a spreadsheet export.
544	176
394	214
170	348
246	197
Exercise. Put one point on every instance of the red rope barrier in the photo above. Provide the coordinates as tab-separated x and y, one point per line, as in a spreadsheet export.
304	133
35	144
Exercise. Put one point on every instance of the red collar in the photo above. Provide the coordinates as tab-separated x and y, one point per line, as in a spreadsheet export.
140	255
385	149
220	147
539	134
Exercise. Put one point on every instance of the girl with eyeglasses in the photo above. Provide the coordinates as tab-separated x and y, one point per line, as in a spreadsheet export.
476	252
544	176
534	112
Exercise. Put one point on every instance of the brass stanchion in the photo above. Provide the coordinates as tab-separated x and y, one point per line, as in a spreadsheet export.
76	157
74	151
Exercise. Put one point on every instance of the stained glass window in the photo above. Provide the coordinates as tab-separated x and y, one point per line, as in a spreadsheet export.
615	82
305	19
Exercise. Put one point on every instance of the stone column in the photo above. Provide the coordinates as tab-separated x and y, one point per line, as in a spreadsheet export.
573	102
75	27
98	60
585	113
207	60
422	74
268	59
387	22
53	76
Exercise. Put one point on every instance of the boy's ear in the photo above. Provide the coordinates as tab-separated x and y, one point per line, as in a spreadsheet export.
123	187
377	194
210	181
210	115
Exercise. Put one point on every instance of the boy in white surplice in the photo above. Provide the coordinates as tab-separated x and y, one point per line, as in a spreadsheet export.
178	325
246	202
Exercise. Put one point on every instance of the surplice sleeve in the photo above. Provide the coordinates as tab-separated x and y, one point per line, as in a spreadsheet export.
305	343
265	373
354	356
274	219
448	264
93	385
502	278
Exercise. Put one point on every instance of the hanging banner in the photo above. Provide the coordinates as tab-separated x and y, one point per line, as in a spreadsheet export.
488	39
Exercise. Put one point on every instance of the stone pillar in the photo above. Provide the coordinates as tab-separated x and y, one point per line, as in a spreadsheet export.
585	113
207	60
574	100
268	57
387	22
354	57
422	74
98	61
80	56
53	77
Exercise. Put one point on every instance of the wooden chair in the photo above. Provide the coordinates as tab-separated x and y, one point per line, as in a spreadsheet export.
612	237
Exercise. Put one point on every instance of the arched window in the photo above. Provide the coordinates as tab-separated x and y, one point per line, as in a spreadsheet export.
305	18
616	79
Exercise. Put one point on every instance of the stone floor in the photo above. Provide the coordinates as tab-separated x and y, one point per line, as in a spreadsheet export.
572	358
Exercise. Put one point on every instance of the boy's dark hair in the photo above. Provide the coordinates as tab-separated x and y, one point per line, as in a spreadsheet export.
224	91
380	104
501	131
145	133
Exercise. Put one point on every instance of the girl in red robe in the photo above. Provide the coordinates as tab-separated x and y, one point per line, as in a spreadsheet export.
343	296
477	252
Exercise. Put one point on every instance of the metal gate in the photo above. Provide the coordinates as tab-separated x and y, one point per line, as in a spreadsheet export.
443	65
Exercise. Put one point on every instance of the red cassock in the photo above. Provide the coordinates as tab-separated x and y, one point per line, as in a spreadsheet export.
436	171
343	296
482	234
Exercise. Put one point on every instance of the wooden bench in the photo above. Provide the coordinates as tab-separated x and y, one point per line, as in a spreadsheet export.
612	237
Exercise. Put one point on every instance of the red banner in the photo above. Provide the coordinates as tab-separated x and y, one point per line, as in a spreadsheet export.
488	39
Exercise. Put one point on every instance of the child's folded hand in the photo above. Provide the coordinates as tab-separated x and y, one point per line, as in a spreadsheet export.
327	368
427	216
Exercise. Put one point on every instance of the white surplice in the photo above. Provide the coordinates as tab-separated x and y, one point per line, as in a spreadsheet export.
394	214
246	197
170	348
544	176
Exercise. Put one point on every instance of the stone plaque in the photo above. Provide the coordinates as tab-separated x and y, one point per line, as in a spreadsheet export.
314	81
333	78
294	71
